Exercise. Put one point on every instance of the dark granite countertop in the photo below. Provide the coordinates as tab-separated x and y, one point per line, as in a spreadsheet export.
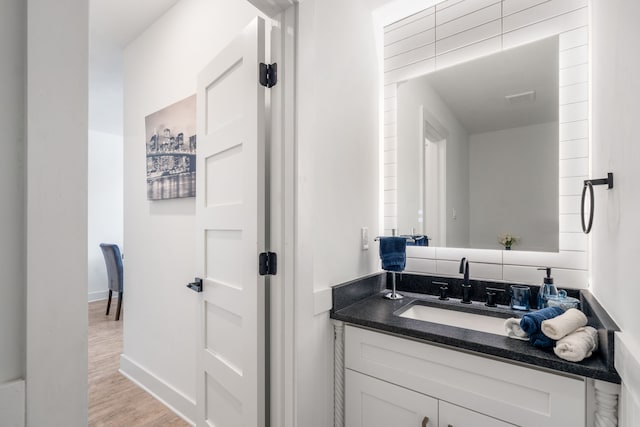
361	303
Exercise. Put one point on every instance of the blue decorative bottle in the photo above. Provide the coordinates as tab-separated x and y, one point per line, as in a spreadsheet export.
547	289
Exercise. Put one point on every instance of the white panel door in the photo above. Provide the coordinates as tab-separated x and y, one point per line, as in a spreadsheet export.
370	402
230	216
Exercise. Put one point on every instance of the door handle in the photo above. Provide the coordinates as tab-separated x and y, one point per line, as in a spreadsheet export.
196	286
425	420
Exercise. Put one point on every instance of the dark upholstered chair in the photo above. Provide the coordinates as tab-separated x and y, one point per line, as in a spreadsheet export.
113	260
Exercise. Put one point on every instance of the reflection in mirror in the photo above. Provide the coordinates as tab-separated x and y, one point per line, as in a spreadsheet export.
478	151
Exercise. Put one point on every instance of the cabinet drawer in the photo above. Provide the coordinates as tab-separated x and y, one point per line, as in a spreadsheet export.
370	402
522	396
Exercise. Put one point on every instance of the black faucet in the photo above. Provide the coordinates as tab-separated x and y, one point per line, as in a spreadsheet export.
466	287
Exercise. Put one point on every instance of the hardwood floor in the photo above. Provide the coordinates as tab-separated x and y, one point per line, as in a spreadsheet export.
115	401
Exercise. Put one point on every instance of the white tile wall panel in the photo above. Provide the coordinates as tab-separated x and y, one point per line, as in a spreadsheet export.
390	130
421	265
544	29
570	223
409	19
475	255
421	252
390	117
574	167
572	186
509	7
390	170
473	35
543	12
574	38
565	259
574	56
390	209
573	149
387	231
573	75
468	21
390	183
390	157
574	93
412	42
569	204
447	3
476	270
390	223
563	278
410	57
410	71
573	112
390	91
390	143
390	104
390	196
461	9
402	32
574	242
466	53
574	130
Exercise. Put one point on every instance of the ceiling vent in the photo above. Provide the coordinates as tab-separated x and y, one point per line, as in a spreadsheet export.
521	98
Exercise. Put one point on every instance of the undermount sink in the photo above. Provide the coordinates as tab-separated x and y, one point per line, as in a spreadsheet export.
459	319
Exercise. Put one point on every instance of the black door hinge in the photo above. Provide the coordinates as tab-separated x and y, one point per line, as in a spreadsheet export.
196	285
268	264
268	74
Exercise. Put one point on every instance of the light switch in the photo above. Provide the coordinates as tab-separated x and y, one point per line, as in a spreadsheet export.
364	238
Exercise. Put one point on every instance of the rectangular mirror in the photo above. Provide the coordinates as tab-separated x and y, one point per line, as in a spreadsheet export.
478	151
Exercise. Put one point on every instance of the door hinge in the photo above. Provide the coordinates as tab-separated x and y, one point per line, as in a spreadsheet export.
268	74
268	264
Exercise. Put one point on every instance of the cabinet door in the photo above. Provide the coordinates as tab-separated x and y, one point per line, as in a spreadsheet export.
456	416
374	403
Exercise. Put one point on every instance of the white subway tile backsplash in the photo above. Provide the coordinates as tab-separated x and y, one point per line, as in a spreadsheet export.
413	42
390	103
390	156
563	278
574	93
390	209
410	19
389	224
390	143
574	148
476	270
574	130
573	75
390	184
475	255
390	91
414	70
390	196
509	7
482	32
574	112
572	186
531	32
421	252
566	259
542	12
390	170
573	242
410	57
468	21
390	117
446	4
390	130
421	265
569	204
466	53
461	9
570	223
422	24
574	56
574	167
574	38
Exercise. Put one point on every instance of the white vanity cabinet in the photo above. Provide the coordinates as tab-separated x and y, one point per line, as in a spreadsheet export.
393	381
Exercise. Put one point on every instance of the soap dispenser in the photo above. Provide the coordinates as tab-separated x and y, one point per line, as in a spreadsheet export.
547	289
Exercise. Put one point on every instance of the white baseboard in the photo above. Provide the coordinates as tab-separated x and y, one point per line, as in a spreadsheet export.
12	404
99	295
627	361
172	398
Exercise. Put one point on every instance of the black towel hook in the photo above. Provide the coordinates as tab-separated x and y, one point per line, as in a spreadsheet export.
588	184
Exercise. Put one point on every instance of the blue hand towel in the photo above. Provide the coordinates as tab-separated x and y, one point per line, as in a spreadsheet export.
531	324
393	253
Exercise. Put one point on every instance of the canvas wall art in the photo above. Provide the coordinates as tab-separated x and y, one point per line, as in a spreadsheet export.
171	151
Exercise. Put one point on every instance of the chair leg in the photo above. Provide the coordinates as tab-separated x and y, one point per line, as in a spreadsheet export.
119	305
109	302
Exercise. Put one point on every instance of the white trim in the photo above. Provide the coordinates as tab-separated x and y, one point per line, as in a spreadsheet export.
322	301
100	295
12	403
172	398
627	363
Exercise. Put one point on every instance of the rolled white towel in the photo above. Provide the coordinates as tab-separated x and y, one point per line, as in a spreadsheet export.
578	345
512	326
564	324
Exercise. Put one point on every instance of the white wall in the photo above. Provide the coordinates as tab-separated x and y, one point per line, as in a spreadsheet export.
615	243
160	68
525	203
57	129
411	94
337	184
105	206
12	173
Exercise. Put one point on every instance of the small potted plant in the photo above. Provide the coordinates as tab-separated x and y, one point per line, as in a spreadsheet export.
507	240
